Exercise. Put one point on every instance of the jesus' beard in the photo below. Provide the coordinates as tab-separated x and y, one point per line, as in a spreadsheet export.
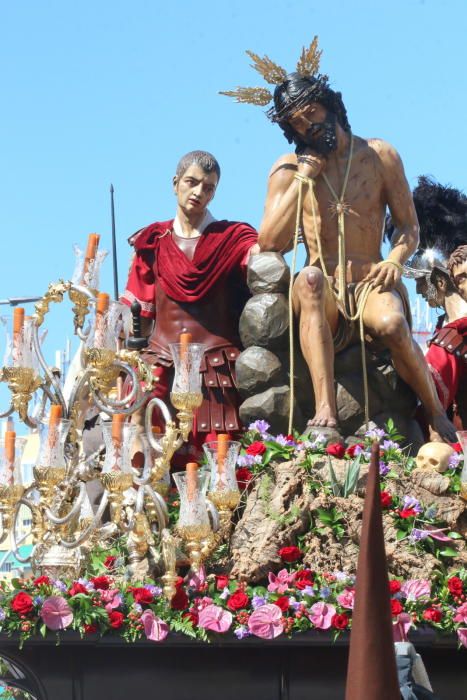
322	137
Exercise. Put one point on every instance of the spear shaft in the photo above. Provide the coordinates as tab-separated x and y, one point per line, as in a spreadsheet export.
114	242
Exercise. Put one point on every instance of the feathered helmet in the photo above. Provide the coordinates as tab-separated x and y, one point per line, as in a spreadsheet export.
442	216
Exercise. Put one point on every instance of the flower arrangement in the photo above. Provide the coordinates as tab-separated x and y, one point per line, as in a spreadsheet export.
294	599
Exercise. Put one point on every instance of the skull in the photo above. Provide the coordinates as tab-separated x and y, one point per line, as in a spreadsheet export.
434	456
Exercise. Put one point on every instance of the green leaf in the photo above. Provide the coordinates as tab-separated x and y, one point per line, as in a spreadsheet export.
400	535
351	477
448	552
455	535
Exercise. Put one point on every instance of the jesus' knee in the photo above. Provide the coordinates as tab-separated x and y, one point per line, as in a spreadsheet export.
393	329
310	287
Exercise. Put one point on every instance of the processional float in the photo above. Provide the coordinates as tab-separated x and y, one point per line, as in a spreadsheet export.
112	381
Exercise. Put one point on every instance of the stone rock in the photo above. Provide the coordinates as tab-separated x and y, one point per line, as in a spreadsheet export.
264	321
331	435
257	369
350	402
271	405
277	510
268	272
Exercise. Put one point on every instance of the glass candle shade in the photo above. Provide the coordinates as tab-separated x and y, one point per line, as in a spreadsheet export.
87	265
193	520
118	449
222	460
52	438
187	363
10	461
110	325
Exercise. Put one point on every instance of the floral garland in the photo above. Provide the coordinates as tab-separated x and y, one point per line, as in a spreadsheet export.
294	598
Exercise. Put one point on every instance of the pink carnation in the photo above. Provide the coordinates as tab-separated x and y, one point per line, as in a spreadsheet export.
400	628
112	599
154	628
197	579
321	615
56	613
462	634
461	614
347	598
280	583
266	621
416	588
214	618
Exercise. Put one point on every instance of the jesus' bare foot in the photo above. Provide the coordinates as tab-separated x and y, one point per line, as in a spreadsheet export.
324	418
441	429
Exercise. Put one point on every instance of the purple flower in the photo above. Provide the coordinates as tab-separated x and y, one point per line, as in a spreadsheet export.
413	503
242	631
257	601
137	608
454	461
282	440
155	590
295	604
309	591
375	433
389	445
60	585
248	460
418	535
261	427
2	614
325	592
38	600
87	584
225	594
383	469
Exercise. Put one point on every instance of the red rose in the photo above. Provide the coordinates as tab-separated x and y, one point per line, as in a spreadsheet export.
109	562
396	607
256	448
180	600
42	581
142	596
456	446
22	603
407	513
238	600
303	578
386	499
340	621
115	619
394	586
221	582
101	582
244	476
350	451
192	616
90	629
290	554
178	582
283	603
455	586
336	450
77	588
433	615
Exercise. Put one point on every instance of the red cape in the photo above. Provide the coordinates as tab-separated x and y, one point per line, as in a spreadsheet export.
221	248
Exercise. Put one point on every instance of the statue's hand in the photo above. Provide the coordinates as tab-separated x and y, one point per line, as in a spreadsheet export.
310	163
383	276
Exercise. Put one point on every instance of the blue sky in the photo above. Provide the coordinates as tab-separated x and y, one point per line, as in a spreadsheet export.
103	92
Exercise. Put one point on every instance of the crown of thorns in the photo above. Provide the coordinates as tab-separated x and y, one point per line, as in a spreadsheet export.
307	67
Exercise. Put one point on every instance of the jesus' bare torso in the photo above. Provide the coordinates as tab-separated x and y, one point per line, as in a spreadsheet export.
376	180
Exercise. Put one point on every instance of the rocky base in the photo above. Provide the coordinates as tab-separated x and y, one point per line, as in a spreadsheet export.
285	503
